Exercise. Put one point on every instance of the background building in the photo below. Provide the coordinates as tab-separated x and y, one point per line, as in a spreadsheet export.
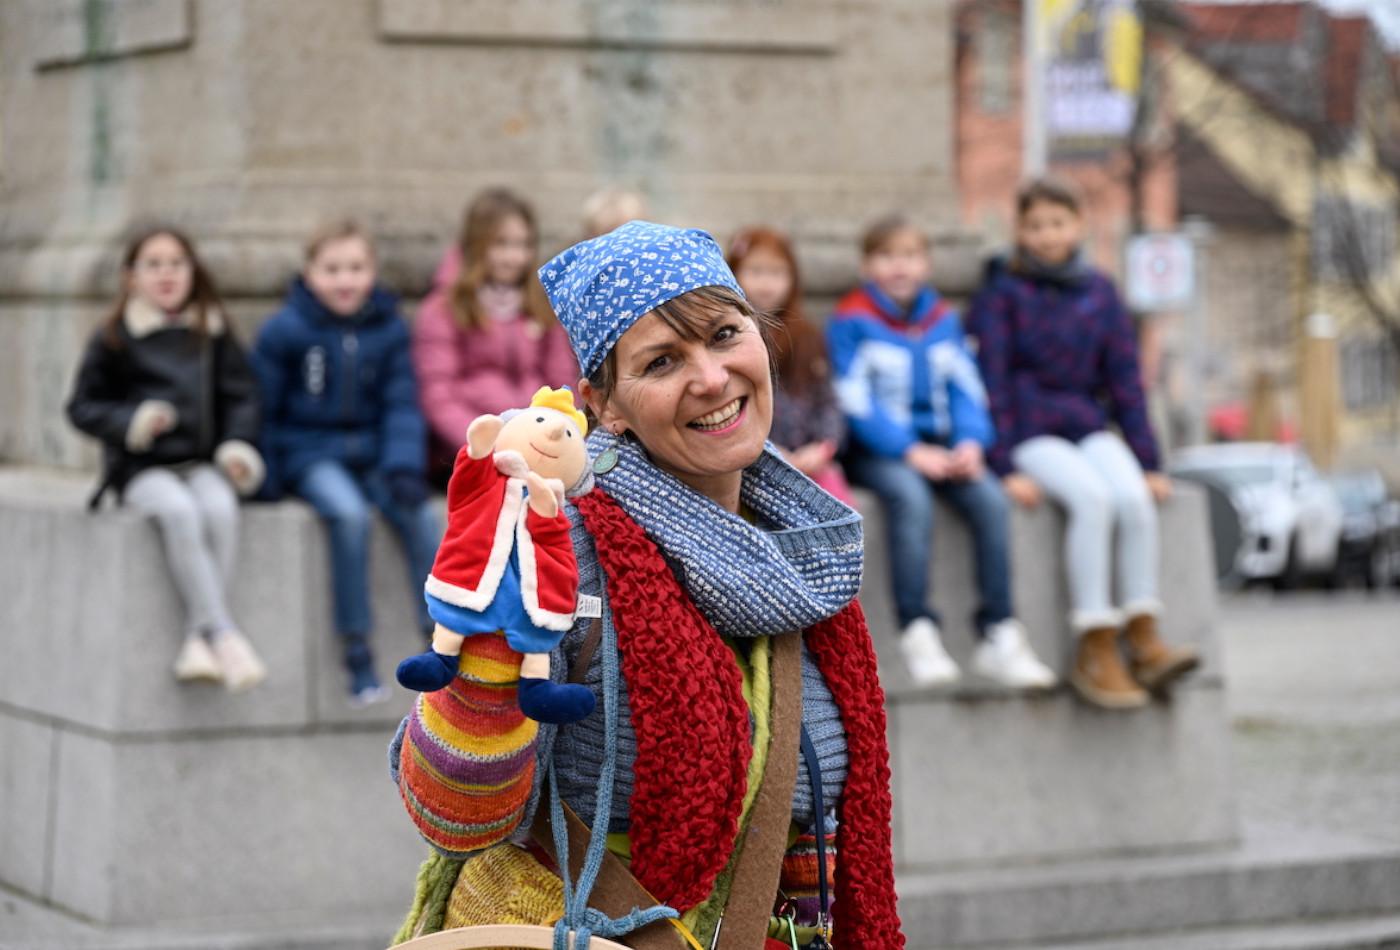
1277	127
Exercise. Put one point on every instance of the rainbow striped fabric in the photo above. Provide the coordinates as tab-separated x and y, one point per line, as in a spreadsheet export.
799	881
472	728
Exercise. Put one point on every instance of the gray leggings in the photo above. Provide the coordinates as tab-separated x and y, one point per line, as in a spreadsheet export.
197	512
1099	484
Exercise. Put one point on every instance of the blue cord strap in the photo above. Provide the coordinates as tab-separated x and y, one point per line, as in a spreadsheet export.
814	775
580	919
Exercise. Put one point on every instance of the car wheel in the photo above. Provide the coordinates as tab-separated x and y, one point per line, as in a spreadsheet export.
1385	566
1292	576
1377	569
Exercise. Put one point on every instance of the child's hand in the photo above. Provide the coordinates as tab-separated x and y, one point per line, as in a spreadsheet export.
481	435
152	419
1022	490
931	461
164	421
1159	484
241	464
544	494
968	462
238	471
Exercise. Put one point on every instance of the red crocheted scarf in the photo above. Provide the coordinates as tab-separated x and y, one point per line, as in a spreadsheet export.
693	745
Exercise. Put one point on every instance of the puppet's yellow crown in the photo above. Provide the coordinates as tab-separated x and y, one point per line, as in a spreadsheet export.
560	400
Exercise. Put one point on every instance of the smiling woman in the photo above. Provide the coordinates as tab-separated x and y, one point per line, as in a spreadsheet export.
693	382
724	637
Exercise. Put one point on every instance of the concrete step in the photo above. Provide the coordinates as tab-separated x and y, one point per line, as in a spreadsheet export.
1363	933
1276	876
26	924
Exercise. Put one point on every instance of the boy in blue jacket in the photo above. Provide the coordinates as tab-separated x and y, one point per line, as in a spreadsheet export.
919	427
342	428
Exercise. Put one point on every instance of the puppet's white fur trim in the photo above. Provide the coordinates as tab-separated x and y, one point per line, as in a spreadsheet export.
481	597
512	463
530	583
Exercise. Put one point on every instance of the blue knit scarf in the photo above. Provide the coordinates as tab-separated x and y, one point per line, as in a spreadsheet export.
798	564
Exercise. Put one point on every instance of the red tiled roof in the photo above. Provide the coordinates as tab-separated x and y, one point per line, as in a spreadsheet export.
1246	22
1218	27
1347	44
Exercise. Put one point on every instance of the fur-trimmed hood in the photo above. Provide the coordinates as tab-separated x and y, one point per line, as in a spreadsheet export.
141	319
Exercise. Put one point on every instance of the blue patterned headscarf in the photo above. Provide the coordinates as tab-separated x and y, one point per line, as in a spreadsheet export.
599	288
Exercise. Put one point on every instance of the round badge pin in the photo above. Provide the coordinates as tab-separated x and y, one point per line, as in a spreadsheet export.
605	463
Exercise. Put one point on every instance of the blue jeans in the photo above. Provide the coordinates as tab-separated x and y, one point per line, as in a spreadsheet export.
907	500
346	500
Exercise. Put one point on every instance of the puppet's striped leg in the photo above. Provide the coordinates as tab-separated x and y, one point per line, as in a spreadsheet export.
467	763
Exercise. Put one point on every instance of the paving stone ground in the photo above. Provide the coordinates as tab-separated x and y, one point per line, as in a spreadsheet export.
1314	686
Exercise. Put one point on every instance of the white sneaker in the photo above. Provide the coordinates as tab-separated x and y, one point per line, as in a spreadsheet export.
929	663
1005	655
196	662
368	696
243	668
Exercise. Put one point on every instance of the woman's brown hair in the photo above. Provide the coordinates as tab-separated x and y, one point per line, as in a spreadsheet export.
203	295
799	352
482	222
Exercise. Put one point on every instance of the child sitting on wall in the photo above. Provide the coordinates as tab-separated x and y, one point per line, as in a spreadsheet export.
919	428
342	428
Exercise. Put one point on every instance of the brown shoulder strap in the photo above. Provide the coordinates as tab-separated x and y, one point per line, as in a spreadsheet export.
756	873
579	669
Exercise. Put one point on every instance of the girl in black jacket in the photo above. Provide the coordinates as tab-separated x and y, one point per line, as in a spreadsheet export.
168	391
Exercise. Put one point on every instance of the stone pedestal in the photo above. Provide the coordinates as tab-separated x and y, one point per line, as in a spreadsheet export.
130	799
118	782
983	776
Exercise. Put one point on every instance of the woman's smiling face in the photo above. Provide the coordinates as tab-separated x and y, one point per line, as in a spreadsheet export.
700	405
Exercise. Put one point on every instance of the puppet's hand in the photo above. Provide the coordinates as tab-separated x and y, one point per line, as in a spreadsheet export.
544	494
481	435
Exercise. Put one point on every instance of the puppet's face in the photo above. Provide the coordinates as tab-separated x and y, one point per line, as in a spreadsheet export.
549	441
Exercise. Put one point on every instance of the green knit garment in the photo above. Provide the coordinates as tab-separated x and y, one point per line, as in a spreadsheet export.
436	879
756	669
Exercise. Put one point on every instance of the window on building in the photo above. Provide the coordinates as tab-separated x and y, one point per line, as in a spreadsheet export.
1351	240
996	59
1370	373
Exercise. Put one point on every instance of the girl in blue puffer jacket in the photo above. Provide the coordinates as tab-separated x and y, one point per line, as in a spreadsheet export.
342	428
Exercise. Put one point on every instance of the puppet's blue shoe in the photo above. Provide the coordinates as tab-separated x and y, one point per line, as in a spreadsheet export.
427	672
558	703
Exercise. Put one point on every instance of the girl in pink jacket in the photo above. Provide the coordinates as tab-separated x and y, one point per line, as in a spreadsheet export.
486	339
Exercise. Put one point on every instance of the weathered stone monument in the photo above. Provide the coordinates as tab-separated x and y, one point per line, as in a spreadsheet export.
248	122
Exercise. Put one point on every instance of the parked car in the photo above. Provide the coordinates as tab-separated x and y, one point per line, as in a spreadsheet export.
1370	548
1290	517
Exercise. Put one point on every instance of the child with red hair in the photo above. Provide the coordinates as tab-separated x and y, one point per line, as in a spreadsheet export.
808	425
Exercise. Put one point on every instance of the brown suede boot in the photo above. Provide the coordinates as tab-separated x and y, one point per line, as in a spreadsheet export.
1155	664
1099	675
